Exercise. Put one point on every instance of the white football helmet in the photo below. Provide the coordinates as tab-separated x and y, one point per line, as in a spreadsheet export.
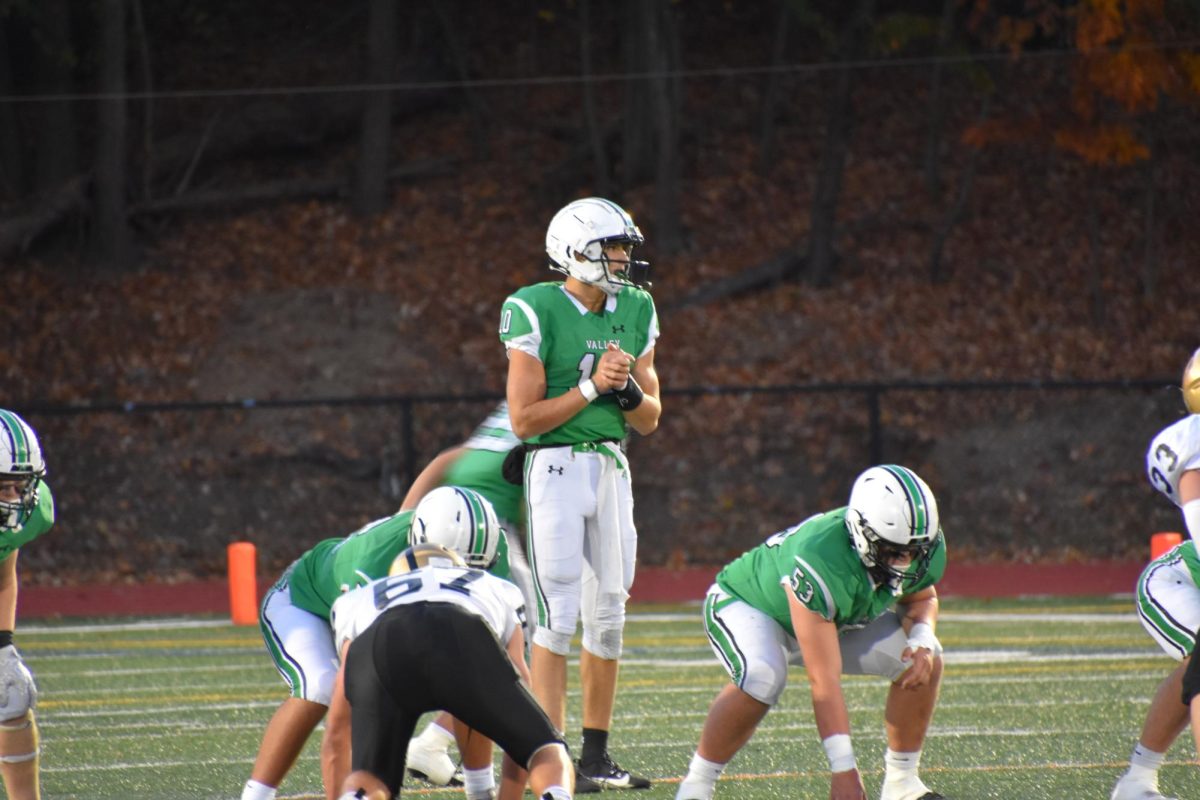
21	459
424	555
576	239
461	520
1191	383
892	513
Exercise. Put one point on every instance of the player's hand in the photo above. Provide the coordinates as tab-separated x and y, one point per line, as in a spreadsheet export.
847	785
613	370
920	668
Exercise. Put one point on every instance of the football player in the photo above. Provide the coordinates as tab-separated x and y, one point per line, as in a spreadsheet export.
1168	598
294	618
850	591
26	512
580	374
478	464
440	635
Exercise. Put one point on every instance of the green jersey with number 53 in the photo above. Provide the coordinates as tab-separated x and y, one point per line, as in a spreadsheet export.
546	322
816	561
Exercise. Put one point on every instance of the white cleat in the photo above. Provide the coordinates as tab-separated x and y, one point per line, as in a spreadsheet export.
1130	790
696	791
431	764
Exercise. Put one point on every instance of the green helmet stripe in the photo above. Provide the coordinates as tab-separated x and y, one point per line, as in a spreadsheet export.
477	523
916	499
16	437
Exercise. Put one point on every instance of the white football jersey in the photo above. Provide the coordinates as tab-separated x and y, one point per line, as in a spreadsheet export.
498	602
1174	451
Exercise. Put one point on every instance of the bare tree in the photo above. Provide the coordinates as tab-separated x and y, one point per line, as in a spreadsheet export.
110	233
56	156
839	123
371	185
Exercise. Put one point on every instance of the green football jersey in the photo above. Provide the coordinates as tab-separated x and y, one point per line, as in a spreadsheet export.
479	466
335	566
38	523
545	321
817	562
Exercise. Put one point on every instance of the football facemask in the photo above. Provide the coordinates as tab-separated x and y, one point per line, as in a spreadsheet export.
20	463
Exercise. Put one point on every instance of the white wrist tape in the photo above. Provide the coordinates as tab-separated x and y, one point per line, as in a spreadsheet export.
840	752
588	390
1191	515
922	635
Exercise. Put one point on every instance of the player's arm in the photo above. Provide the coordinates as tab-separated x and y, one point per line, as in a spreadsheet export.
644	417
1189	501
431	477
918	614
818	639
531	412
335	743
8	592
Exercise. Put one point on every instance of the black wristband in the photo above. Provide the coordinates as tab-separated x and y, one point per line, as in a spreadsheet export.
631	396
5	638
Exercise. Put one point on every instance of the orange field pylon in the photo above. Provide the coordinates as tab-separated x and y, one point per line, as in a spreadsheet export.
1162	542
243	584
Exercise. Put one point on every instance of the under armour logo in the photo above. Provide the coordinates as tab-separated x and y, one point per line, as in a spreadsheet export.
618	328
553	470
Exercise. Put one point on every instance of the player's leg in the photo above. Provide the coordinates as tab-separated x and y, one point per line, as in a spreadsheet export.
301	647
19	757
754	651
557	499
385	684
1168	605
610	552
877	650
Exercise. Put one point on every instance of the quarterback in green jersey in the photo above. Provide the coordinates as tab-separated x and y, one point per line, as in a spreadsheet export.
26	512
580	375
850	591
294	617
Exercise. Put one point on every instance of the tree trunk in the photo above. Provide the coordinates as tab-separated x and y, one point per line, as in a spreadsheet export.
1151	227
147	85
937	106
370	185
595	130
766	138
638	151
1098	305
839	124
56	156
110	234
958	208
451	18
667	93
12	172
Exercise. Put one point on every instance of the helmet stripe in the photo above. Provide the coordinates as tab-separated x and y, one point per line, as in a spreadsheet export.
16	437
915	497
477	523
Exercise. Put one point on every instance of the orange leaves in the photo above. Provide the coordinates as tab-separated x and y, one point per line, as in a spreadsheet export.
1103	144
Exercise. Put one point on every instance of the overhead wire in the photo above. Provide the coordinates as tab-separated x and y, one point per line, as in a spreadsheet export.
611	77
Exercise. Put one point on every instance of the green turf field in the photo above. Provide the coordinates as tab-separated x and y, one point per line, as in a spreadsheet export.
1042	699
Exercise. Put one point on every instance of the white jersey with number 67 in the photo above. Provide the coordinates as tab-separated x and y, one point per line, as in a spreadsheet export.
496	601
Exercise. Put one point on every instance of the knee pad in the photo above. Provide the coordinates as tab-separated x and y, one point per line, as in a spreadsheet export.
764	681
557	643
1191	678
605	643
